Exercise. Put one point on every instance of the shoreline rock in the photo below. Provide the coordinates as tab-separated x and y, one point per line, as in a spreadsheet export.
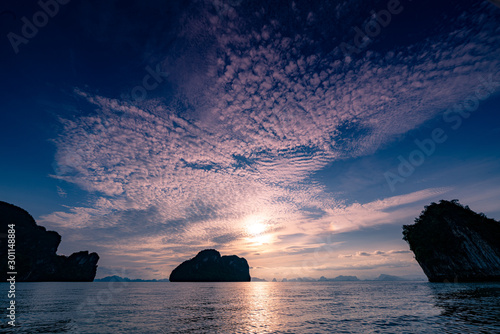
35	252
452	243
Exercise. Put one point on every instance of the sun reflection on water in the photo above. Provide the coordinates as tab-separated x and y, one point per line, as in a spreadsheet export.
261	308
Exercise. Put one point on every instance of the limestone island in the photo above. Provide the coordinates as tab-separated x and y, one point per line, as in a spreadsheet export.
452	243
35	252
209	266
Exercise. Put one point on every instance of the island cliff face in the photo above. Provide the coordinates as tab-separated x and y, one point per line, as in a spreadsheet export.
35	252
210	266
454	244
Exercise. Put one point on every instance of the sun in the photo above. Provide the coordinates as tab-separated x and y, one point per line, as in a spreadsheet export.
255	229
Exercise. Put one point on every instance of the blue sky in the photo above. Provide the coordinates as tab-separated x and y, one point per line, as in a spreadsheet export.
300	135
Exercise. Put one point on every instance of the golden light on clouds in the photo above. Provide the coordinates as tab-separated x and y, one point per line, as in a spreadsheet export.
256	228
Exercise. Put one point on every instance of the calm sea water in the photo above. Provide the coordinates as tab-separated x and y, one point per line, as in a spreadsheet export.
254	307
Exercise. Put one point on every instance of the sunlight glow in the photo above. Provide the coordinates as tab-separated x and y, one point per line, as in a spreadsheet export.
261	239
256	230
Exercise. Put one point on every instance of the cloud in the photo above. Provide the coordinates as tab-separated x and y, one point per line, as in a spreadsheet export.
374	253
363	254
255	115
294	236
399	252
392	264
385	211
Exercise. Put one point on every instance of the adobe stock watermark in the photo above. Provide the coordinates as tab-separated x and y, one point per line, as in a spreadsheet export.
454	116
372	28
11	273
30	28
150	81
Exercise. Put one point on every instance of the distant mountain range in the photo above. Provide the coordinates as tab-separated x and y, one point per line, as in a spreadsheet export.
338	278
126	279
384	277
341	278
256	279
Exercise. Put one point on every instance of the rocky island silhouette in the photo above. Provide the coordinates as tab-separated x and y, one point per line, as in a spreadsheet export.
209	266
35	251
452	243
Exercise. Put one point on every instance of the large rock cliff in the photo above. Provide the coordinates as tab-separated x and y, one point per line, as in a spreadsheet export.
35	252
454	244
210	266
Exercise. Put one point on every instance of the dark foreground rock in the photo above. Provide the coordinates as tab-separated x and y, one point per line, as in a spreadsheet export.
210	266
35	252
454	244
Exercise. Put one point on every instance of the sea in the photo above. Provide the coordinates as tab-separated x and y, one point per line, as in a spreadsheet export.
253	307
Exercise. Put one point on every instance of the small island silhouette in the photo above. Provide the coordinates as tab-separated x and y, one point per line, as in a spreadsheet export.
452	243
209	266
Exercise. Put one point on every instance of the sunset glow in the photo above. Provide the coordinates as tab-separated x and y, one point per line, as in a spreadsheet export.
269	130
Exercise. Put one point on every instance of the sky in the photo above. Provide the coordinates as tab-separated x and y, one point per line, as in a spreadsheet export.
300	135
